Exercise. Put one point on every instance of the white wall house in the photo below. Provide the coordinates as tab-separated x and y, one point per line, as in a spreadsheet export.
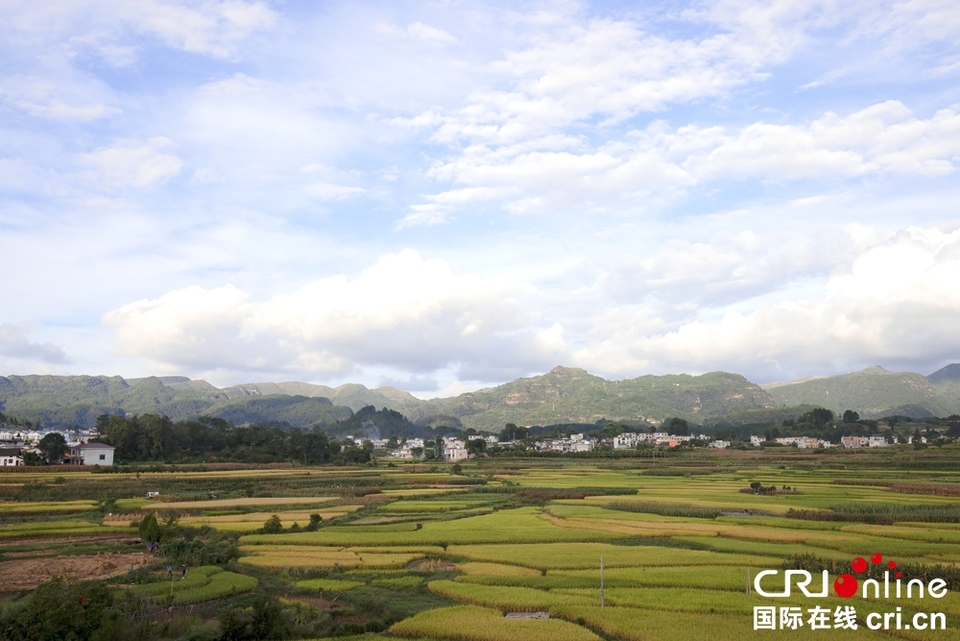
92	454
10	456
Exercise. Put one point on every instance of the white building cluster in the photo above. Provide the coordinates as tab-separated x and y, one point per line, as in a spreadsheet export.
14	443
572	443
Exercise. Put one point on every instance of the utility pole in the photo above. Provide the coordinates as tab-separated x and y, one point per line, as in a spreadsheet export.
601	581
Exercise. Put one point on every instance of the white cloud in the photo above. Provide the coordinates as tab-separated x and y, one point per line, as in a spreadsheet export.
404	312
14	344
684	277
607	69
132	163
885	138
214	27
41	98
328	191
429	34
897	303
417	31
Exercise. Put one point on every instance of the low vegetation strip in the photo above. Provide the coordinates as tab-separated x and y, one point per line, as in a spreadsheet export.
633	624
58	528
329	585
882	513
472	623
397	582
669	599
220	585
520	525
574	556
217	504
46	507
474	568
516	599
326	558
200	584
934	489
908	571
195	578
689	511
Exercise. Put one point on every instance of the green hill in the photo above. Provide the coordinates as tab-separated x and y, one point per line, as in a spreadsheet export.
568	395
873	392
561	396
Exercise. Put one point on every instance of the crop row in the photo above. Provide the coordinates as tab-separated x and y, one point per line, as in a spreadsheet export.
329	585
471	623
520	525
574	556
195	578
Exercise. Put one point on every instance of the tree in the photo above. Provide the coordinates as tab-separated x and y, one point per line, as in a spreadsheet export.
53	447
273	525
149	528
513	433
60	610
476	447
850	416
314	524
611	429
678	427
818	417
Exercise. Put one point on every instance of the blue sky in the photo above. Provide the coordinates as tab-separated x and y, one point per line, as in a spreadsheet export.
443	196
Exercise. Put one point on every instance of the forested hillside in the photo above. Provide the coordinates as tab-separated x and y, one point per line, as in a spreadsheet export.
561	396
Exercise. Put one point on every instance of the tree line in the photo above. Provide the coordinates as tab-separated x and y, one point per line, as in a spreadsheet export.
150	437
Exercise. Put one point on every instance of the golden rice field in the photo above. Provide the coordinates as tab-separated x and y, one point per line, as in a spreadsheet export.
471	623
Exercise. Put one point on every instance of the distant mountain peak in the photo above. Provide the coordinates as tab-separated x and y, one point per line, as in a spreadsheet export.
560	370
875	369
949	373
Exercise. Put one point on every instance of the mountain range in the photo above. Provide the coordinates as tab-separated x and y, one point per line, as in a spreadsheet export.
561	396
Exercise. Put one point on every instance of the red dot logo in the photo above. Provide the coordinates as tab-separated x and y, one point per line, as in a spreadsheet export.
876	558
892	565
845	586
859	564
899	574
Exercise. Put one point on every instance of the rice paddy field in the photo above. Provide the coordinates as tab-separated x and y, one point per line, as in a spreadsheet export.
513	549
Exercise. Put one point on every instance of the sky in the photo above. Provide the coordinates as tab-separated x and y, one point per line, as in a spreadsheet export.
443	196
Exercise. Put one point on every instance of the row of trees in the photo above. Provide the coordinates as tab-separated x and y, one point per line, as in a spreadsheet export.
150	437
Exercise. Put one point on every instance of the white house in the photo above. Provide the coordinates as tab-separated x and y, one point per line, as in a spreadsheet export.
877	441
92	454
455	454
10	456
